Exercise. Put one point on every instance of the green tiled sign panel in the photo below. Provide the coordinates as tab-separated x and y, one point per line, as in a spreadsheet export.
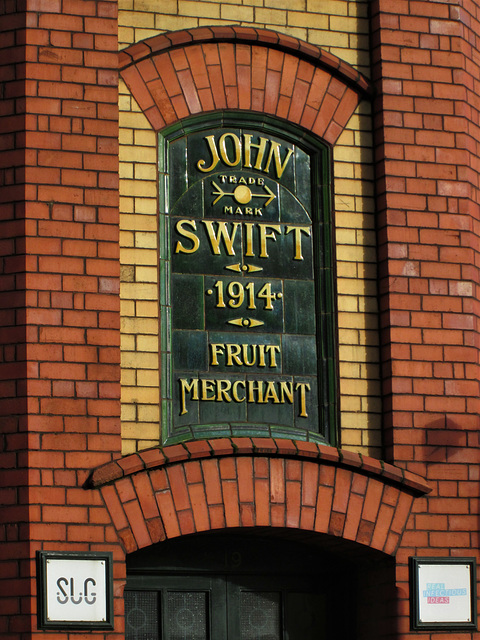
247	335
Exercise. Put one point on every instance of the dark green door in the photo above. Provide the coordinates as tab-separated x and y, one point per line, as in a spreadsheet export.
275	609
175	608
224	608
229	587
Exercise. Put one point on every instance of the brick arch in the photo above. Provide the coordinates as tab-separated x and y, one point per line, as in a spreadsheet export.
235	483
176	75
208	485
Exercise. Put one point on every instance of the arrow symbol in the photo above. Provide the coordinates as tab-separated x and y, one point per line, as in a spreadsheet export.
246	322
246	267
243	194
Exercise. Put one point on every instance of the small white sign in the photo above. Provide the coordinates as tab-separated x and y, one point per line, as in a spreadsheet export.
444	593
75	590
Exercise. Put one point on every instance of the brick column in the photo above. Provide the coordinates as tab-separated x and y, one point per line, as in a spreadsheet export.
14	548
61	272
427	142
428	226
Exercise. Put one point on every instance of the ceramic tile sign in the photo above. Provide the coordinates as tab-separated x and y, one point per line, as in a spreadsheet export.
443	592
243	276
74	590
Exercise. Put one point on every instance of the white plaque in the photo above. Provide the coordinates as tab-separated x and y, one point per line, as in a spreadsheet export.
75	590
443	591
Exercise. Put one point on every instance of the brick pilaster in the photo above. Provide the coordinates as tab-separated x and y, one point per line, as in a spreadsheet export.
63	333
14	476
427	186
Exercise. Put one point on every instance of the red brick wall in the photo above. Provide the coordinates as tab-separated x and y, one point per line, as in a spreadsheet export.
59	310
14	548
242	68
428	215
256	482
66	170
425	57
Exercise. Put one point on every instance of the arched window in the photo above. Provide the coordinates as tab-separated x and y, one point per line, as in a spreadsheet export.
248	340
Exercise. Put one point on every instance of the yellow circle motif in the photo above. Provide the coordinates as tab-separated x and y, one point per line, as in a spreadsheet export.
242	194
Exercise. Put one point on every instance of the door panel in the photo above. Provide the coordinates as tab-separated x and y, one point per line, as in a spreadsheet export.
177	608
238	588
306	616
186	615
280	608
259	616
224	608
141	615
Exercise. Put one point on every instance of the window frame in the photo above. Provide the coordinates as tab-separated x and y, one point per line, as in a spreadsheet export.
324	279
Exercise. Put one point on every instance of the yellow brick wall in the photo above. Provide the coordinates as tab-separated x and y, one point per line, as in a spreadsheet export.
357	286
341	27
139	278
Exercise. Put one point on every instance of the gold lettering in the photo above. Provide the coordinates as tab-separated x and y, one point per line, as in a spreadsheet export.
286	389
223	386
249	239
298	239
225	233
255	391
261	350
272	348
217	349
207	385
248	147
187	388
261	147
244	354
255	386
223	149
303	387
247	362
275	153
179	248
215	157
233	352
264	236
235	386
270	393
222	234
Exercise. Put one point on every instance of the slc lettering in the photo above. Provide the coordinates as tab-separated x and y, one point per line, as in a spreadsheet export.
67	592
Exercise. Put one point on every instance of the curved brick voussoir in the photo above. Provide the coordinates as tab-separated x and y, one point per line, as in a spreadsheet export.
256	482
181	74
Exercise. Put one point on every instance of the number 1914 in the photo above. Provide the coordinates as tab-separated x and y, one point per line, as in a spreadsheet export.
235	294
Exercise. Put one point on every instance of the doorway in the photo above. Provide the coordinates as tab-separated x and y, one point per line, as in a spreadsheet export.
230	587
